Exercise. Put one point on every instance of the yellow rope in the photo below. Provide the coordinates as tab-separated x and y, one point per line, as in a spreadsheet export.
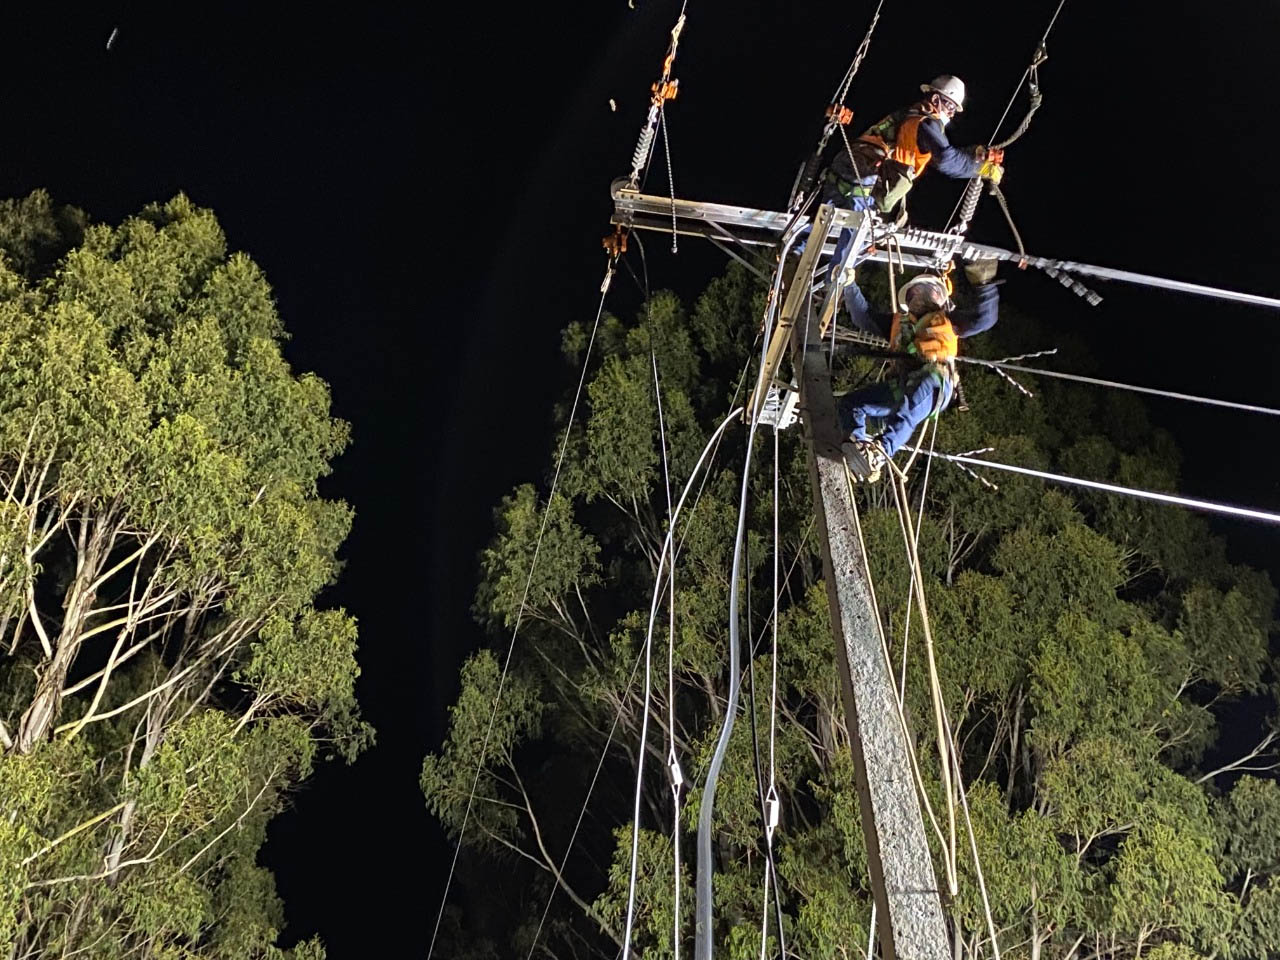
935	686
884	648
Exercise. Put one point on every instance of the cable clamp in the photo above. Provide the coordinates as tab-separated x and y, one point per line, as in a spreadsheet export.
665	90
772	811
839	113
615	244
673	769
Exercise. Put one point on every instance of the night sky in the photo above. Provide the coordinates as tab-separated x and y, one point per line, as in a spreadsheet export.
426	191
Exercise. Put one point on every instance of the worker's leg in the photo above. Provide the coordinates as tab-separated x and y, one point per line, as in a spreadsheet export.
894	185
924	393
854	409
859	199
846	196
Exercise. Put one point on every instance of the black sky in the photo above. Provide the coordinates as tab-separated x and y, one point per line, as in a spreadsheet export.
426	189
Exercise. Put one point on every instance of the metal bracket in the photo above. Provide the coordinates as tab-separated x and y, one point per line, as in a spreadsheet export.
780	406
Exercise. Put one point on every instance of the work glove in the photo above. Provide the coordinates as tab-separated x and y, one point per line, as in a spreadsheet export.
980	272
990	170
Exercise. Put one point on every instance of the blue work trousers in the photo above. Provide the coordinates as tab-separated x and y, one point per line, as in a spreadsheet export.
833	196
855	202
896	415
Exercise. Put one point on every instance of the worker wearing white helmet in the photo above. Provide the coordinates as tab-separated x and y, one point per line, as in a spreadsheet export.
877	170
925	329
887	158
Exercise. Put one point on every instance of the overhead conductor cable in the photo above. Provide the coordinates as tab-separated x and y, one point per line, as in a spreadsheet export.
1208	506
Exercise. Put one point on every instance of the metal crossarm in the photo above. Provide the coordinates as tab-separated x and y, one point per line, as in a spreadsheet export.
922	248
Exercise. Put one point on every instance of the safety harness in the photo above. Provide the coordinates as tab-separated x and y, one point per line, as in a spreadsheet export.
931	341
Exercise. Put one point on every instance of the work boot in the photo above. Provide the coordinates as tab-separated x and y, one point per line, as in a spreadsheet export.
864	459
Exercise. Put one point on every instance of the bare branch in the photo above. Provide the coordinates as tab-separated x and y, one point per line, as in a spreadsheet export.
1253	754
235	823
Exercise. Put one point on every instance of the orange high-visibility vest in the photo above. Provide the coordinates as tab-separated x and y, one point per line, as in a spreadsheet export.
896	138
932	338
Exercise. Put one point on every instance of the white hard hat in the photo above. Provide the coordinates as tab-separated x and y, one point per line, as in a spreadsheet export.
924	279
950	87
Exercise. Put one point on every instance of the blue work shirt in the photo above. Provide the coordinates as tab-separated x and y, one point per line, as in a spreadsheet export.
967	322
959	163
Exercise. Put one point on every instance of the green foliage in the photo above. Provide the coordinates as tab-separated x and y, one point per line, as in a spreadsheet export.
1086	645
167	678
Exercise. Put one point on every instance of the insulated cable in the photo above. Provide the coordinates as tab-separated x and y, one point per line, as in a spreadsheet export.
703	932
709	450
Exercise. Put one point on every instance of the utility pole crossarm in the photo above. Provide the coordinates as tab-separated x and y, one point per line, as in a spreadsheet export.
751	227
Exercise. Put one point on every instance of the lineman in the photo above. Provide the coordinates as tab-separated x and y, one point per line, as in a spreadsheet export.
887	158
926	328
878	169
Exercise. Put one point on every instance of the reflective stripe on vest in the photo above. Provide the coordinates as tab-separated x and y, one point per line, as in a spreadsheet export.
896	138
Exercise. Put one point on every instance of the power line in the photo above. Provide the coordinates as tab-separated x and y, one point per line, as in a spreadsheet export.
1115	385
711	447
703	933
1208	506
1035	61
524	597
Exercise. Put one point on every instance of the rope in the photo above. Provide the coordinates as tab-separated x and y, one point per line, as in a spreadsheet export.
1208	506
935	685
906	627
949	752
999	365
1004	208
907	736
524	597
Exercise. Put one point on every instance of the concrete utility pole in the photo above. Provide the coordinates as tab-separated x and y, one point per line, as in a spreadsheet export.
903	882
908	905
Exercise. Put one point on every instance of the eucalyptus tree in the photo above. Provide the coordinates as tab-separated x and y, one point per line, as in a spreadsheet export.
167	676
1087	649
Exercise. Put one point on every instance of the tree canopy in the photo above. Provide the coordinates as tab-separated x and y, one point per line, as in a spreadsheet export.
167	676
1087	647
